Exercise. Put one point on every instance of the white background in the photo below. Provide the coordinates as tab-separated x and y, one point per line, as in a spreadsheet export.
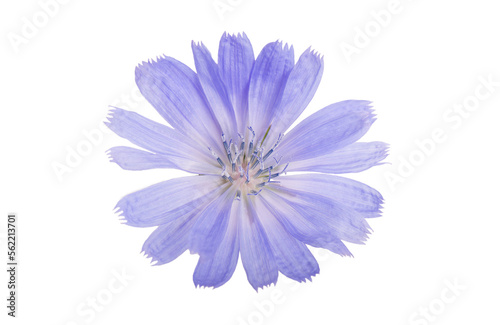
441	219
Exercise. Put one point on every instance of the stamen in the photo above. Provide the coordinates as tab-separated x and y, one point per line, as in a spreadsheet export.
242	147
257	153
250	146
254	155
261	160
252	192
217	157
268	154
257	174
225	175
269	172
236	159
238	195
280	136
227	146
246	175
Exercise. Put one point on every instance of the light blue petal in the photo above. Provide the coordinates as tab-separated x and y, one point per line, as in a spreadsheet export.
166	201
350	193
212	223
352	158
135	159
256	254
333	218
175	92
305	229
293	258
300	88
170	240
156	137
235	63
338	247
327	130
214	89
267	82
214	271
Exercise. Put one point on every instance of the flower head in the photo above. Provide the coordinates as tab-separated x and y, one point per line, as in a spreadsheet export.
229	123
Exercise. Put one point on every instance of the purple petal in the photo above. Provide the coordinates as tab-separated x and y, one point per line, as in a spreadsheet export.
327	130
293	258
356	195
156	137
352	158
307	230
235	62
135	159
171	149
335	219
267	82
256	254
299	90
211	226
170	240
214	271
166	201
214	89
175	92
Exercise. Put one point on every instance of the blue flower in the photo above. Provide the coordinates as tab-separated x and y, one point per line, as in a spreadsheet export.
228	124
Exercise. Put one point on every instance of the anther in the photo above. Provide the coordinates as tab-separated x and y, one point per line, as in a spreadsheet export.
226	146
246	175
250	146
252	192
257	174
217	157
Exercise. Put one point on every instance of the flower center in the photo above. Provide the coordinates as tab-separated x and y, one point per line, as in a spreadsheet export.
248	166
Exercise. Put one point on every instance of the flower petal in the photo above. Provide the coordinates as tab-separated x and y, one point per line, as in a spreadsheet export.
166	201
327	130
156	137
135	159
293	258
214	89
212	223
214	271
175	92
335	219
256	254
300	88
352	158
170	240
356	195
267	82
299	225
235	63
